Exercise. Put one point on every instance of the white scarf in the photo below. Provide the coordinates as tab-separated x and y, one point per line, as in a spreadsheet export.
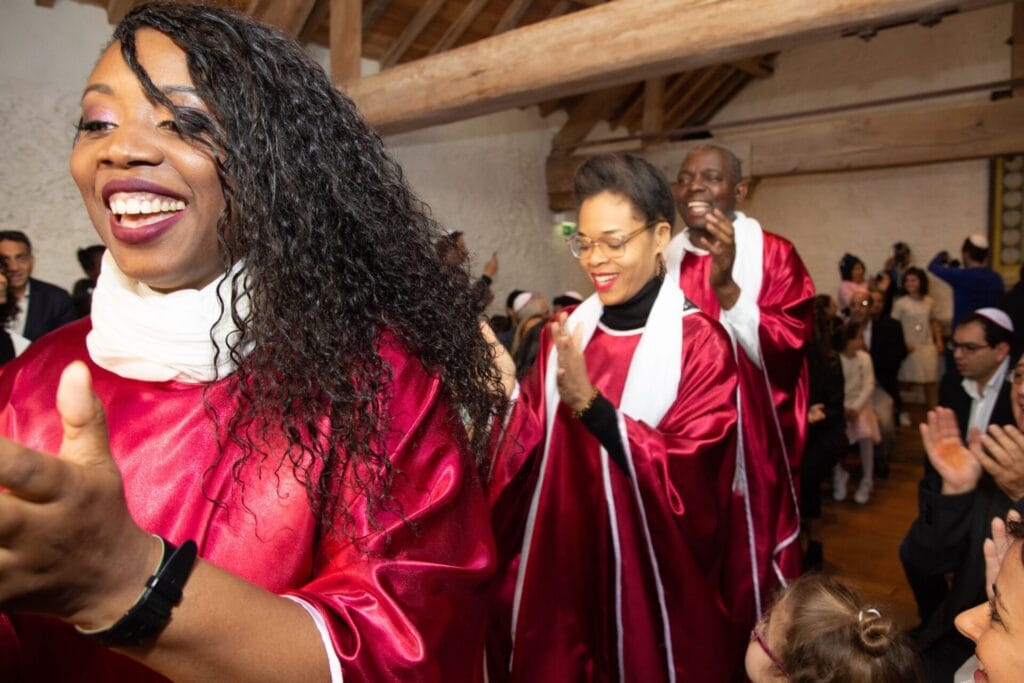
139	333
744	318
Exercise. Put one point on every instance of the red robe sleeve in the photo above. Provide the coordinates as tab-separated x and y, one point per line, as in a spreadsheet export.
406	603
786	309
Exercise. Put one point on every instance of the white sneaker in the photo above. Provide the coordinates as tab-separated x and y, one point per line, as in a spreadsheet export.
863	493
904	420
839	479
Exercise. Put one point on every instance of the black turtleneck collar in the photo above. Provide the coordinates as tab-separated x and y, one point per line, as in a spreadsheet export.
632	314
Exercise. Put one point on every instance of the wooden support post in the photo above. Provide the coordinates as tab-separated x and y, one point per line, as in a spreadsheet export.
1017	55
346	40
654	96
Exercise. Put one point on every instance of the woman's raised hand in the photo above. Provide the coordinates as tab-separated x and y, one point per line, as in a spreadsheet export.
574	385
68	545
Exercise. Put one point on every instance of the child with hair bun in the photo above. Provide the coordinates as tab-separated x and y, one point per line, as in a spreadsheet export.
820	631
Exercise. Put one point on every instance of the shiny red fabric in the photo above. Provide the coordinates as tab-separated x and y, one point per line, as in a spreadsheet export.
567	624
784	302
413	610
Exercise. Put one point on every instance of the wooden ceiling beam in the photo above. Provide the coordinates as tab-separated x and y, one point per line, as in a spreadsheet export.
759	67
116	9
512	16
317	18
459	26
372	11
702	88
288	15
588	112
632	116
638	39
560	8
731	85
412	31
885	139
346	40
551	106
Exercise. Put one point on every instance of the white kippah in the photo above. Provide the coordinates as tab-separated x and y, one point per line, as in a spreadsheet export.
978	240
574	294
521	300
996	316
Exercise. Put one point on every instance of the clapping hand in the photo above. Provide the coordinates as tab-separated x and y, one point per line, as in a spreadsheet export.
1001	453
574	385
995	548
959	469
720	242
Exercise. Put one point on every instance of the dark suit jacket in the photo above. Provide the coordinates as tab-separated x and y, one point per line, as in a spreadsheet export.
49	307
888	349
953	396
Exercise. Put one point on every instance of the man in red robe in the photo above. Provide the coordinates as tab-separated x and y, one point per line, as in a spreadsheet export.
755	284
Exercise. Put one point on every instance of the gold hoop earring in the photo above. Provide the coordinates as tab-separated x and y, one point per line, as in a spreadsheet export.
662	268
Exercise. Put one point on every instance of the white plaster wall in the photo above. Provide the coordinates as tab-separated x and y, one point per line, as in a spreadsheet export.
930	207
485	177
45	56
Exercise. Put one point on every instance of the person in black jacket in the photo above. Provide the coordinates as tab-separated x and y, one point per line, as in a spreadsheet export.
49	306
956	505
826	425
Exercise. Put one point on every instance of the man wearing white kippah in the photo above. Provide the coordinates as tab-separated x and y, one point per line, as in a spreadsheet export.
975	285
958	496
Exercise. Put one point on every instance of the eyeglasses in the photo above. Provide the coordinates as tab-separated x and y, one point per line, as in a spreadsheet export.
966	347
611	247
756	634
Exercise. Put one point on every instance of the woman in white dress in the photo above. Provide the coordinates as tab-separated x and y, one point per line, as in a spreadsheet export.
916	312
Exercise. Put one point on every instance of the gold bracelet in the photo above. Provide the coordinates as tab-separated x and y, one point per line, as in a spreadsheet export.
580	412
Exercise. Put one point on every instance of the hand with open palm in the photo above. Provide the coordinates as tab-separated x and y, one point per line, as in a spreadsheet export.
959	469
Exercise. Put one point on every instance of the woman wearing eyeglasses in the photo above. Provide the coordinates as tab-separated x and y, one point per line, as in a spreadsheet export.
610	507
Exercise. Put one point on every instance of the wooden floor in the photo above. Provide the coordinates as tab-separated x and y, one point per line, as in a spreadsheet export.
862	541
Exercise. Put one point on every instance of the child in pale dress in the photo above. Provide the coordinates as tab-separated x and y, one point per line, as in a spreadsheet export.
916	313
861	421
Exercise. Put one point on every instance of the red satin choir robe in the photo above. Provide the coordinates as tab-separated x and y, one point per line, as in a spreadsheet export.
773	403
669	525
413	611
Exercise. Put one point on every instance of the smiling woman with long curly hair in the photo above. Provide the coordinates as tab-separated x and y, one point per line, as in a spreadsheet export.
294	383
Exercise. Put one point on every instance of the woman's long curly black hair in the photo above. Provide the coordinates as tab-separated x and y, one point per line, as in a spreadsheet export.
337	250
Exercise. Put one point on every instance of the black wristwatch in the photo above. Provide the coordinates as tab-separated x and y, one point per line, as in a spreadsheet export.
150	614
